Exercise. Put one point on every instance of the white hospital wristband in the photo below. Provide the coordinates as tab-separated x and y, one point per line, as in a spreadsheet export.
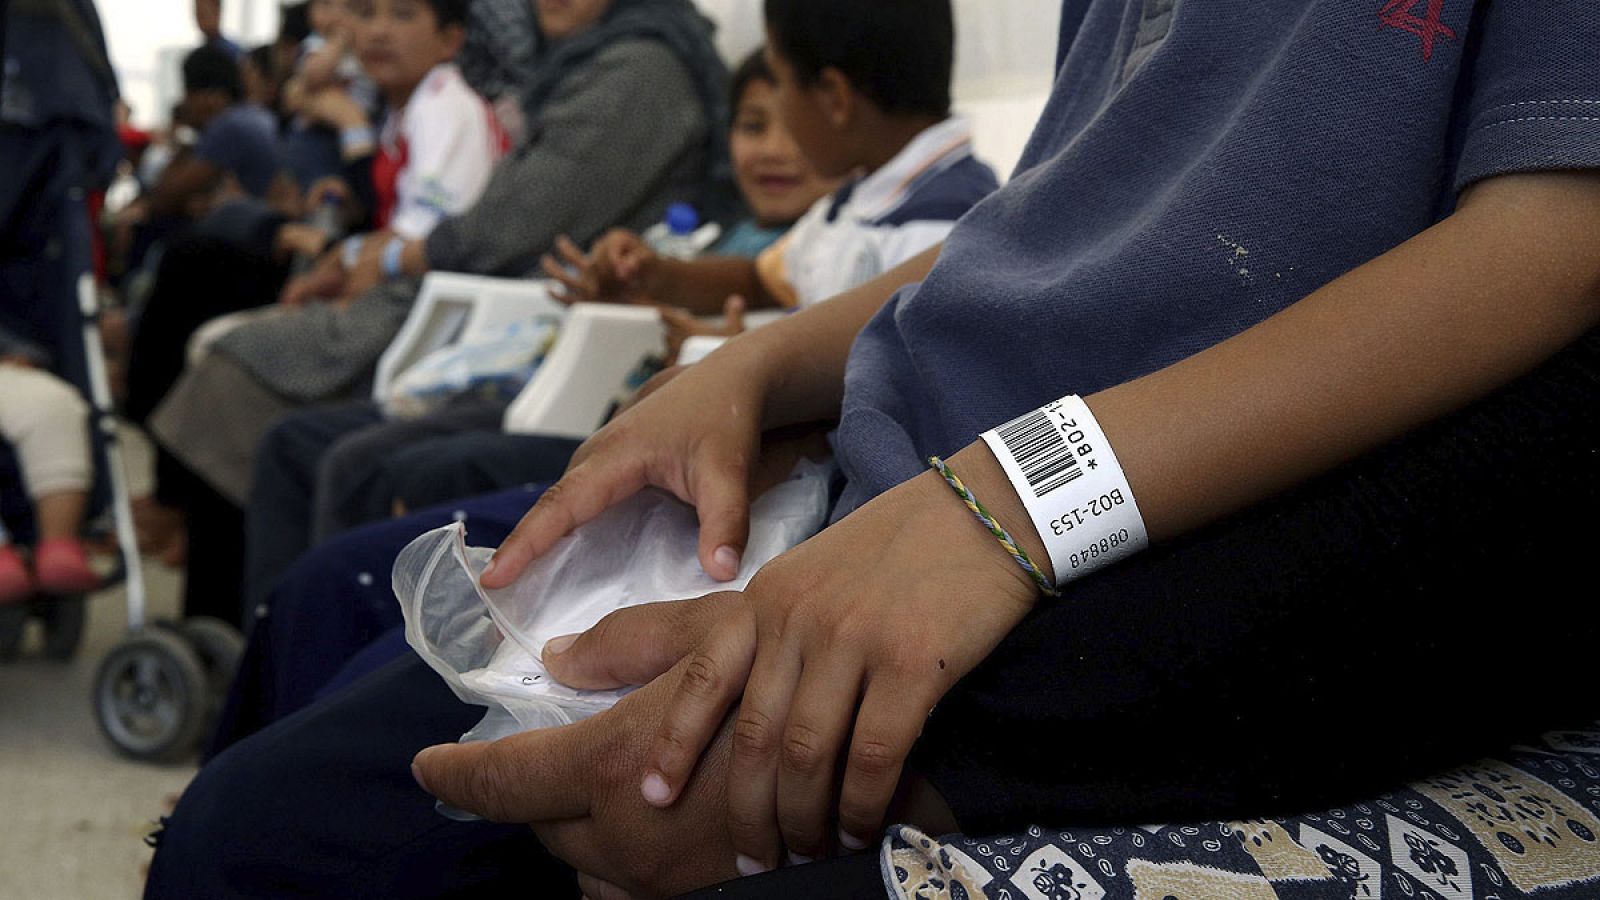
1062	467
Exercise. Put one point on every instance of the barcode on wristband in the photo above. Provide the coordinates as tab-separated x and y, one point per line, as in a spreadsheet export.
1041	452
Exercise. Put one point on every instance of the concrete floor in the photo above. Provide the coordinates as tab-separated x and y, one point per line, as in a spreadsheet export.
73	814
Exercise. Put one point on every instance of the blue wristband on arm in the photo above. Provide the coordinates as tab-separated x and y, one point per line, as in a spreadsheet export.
391	257
357	139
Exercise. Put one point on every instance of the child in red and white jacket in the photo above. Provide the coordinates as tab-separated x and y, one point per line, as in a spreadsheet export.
432	158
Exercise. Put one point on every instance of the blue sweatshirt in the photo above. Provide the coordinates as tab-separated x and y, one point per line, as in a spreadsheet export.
1201	166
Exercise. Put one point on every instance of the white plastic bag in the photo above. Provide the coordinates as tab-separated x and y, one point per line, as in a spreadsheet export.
487	644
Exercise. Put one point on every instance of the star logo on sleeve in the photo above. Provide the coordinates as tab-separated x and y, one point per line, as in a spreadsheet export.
1402	14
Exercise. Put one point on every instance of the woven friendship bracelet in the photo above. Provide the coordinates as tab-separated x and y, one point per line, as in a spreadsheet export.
995	528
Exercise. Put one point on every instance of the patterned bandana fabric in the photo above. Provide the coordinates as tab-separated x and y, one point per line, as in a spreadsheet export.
1525	825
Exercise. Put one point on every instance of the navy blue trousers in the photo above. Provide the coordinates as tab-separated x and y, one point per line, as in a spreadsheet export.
310	811
322	805
325	471
332	604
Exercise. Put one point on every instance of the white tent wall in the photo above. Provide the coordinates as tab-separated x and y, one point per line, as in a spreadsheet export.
148	38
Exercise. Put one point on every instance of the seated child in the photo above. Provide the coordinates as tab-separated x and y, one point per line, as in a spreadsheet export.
436	149
777	181
439	141
431	160
887	129
326	60
236	152
45	420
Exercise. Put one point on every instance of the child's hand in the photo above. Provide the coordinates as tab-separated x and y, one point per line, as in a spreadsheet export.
334	108
619	268
298	239
840	650
847	641
578	787
325	282
321	69
682	325
665	441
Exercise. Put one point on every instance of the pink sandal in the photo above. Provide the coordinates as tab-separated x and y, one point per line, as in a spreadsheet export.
61	566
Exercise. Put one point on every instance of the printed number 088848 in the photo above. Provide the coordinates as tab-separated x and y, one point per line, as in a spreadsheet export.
1102	547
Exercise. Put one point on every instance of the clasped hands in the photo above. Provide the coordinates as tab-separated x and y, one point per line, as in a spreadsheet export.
774	723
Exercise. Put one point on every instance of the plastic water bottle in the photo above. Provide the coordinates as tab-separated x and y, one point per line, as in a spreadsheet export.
327	218
680	235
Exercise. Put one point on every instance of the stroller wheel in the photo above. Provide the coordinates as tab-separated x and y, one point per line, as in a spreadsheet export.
220	647
13	619
150	696
63	619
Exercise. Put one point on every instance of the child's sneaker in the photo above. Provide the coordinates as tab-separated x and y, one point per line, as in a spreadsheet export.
62	567
15	585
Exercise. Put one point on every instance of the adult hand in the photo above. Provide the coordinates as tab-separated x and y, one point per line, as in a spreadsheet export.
841	649
335	108
698	435
324	282
298	239
321	68
667	441
619	268
682	325
578	787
